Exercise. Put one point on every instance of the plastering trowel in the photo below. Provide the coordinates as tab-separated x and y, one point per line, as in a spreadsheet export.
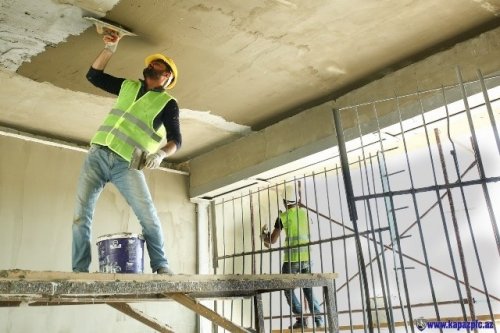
103	26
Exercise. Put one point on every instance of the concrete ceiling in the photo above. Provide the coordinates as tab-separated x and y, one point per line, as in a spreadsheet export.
243	65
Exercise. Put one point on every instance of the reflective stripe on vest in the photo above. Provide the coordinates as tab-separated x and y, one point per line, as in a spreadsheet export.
129	124
296	225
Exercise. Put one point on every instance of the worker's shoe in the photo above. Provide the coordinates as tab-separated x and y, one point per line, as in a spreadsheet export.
299	323
319	323
165	270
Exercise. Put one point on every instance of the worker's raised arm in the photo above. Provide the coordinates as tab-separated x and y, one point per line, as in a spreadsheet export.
96	74
111	39
270	237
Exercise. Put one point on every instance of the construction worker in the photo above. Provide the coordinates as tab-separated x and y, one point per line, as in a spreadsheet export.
295	222
143	116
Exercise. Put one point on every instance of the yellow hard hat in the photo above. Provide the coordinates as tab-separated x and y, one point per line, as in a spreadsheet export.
169	61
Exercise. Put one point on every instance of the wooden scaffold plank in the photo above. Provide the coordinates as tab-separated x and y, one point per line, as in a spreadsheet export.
37	288
211	315
142	317
59	286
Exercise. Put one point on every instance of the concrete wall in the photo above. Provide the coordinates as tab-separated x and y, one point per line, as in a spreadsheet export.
37	187
313	131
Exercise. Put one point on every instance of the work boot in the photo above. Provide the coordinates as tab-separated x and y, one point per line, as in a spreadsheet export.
299	323
319	323
165	270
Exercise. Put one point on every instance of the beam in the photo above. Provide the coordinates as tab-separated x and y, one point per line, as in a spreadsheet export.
211	315
23	134
142	317
259	313
60	286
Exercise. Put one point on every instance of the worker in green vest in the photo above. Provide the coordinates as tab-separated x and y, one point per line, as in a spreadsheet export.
294	220
143	126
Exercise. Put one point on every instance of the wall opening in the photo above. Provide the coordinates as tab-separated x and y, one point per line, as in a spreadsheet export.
419	219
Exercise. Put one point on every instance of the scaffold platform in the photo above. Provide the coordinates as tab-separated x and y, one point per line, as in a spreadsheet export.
44	288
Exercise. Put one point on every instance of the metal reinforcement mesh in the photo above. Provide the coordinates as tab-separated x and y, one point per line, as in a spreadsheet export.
404	208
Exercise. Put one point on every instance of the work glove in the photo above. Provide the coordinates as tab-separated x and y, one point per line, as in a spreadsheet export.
153	160
264	231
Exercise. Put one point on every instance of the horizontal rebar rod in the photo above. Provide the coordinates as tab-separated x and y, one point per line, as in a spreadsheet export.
428	188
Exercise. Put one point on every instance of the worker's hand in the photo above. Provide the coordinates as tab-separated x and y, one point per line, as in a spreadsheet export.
153	160
264	233
111	39
264	230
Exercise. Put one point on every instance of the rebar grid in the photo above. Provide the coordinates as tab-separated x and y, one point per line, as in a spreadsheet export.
414	235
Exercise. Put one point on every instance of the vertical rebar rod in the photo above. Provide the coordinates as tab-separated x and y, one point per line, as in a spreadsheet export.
367	205
368	222
487	102
454	221
242	250
386	289
298	190
364	301
346	267
417	213
280	263
382	246
466	208
215	244
242	235
440	204
360	136
317	222
234	252
480	166
331	236
320	245
397	252
252	233
382	150
352	208
224	260
368	266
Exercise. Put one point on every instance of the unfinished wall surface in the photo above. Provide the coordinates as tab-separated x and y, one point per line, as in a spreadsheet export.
312	130
37	188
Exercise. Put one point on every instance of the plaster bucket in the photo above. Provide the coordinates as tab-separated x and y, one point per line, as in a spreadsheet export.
121	253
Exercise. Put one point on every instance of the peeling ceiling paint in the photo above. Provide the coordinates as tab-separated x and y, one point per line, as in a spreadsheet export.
97	7
215	121
27	27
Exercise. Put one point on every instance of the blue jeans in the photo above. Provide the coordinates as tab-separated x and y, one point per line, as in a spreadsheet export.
294	268
100	167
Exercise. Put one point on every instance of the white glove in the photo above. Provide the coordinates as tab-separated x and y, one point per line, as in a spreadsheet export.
264	231
153	160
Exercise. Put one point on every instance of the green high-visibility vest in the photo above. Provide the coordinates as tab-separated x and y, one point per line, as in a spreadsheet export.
296	225
129	124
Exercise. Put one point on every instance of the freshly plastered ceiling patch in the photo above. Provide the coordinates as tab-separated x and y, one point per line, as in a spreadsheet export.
27	27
